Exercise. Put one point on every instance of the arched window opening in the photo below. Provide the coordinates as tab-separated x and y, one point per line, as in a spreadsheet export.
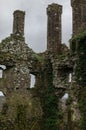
1	93
3	67
64	100
32	82
65	96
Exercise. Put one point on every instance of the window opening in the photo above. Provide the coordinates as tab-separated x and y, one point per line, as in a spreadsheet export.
1	73
32	82
70	77
65	96
2	100
1	93
2	67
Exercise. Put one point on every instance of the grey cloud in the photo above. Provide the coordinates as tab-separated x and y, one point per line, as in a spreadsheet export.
35	20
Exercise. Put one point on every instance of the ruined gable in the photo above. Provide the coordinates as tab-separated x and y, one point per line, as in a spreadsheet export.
58	71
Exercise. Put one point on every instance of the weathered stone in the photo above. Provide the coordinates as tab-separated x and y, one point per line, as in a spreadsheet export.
54	12
79	17
52	69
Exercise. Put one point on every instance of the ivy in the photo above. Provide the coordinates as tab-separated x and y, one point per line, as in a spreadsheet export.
51	114
80	73
77	41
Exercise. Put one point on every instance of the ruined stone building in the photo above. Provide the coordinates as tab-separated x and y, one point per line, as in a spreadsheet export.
58	71
54	12
79	16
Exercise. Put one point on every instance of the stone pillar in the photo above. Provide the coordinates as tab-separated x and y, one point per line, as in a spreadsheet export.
18	22
54	12
79	16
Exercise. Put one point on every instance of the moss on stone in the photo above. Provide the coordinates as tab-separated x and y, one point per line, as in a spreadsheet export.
80	73
77	40
38	57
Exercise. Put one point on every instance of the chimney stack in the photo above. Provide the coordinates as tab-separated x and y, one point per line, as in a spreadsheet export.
18	22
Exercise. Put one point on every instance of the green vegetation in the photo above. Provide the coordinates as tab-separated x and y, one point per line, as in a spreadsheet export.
38	57
79	37
51	114
80	72
8	39
17	114
77	40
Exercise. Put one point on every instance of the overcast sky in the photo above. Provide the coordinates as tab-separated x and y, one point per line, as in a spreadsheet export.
35	20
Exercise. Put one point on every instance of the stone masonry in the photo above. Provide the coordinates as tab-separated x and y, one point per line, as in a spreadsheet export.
79	16
54	12
18	24
21	61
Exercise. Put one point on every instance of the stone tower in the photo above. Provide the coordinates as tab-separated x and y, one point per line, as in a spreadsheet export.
54	12
18	23
79	16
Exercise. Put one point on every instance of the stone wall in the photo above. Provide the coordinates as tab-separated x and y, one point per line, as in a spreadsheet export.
51	69
18	22
79	16
54	12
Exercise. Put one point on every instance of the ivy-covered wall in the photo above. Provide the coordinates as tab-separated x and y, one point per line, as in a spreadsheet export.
80	74
49	100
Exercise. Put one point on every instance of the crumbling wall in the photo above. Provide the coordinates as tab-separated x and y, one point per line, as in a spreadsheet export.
51	69
79	16
54	12
18	22
79	82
